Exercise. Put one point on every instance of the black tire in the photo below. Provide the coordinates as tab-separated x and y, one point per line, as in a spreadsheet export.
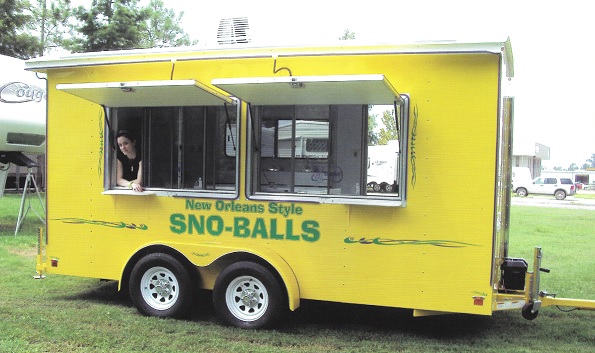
560	194
521	192
161	286
249	296
528	312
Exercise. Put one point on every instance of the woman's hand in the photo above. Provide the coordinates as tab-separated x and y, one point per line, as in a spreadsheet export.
136	187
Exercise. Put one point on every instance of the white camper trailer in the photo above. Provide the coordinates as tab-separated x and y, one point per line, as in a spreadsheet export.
383	167
22	117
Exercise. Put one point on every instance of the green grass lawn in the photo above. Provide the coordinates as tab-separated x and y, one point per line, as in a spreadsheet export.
585	195
68	314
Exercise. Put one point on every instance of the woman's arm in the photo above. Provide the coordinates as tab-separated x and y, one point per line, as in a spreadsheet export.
120	181
137	183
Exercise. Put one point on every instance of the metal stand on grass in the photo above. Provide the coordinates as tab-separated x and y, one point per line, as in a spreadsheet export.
25	199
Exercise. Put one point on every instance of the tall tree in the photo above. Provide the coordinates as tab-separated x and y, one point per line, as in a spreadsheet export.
591	161
14	38
51	23
372	125
109	25
389	128
163	27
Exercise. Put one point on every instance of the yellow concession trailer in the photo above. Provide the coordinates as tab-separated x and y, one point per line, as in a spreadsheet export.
256	178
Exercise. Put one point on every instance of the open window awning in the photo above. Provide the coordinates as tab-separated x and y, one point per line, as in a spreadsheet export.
292	90
163	93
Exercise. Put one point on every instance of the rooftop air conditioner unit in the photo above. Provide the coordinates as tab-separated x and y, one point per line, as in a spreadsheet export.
233	31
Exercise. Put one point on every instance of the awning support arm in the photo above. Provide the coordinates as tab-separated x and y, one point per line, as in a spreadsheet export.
397	119
109	127
228	123
255	144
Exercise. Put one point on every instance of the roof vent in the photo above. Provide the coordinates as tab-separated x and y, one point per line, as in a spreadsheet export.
233	30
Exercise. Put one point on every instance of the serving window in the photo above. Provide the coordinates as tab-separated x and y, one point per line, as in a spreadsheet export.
327	139
184	131
350	152
183	148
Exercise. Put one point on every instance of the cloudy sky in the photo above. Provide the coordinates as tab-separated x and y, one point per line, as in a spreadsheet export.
551	40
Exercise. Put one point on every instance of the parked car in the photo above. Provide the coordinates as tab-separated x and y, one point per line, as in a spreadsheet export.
579	185
557	186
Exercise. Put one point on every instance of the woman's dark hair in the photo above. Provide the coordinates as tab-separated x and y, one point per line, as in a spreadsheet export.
127	134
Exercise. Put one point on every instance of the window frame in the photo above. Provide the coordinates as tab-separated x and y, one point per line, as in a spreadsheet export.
110	162
400	200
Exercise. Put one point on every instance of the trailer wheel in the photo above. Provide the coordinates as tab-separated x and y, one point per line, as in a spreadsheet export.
560	194
528	312
247	295
160	286
521	192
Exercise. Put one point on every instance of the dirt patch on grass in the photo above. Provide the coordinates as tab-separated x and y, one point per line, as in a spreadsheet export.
28	253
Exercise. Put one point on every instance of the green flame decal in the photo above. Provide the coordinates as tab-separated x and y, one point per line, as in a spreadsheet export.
103	223
385	241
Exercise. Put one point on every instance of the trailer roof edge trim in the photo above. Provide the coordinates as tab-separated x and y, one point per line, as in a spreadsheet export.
160	93
293	90
42	64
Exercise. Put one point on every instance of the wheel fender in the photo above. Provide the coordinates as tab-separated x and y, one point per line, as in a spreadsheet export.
282	267
206	254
